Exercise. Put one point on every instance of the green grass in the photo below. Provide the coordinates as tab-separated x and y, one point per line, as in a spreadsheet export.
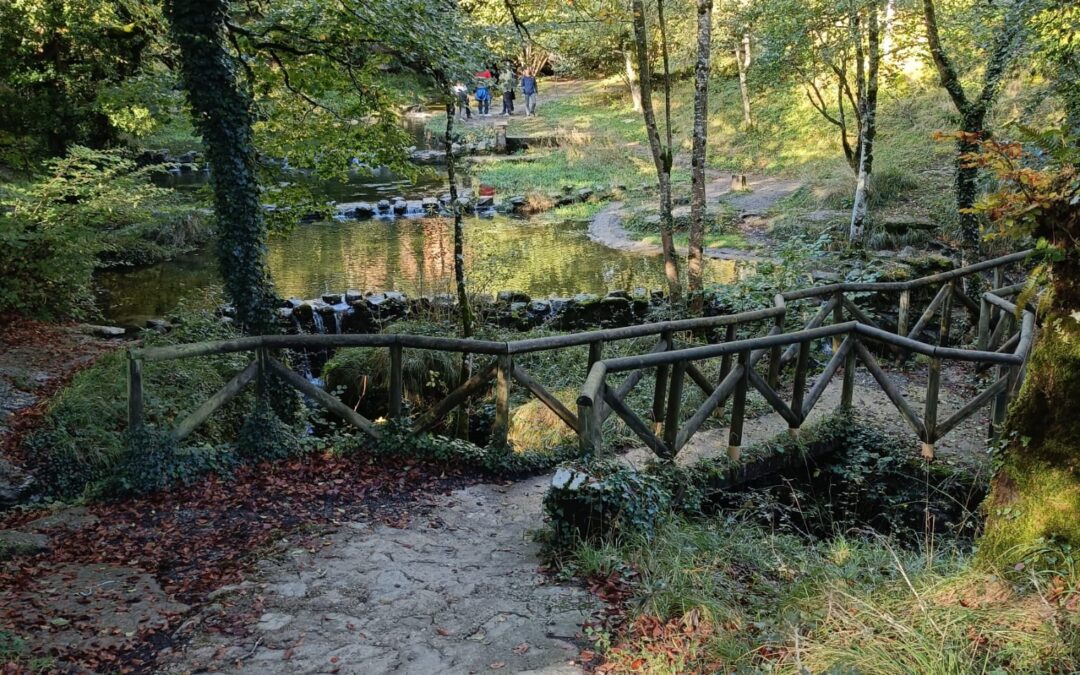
745	598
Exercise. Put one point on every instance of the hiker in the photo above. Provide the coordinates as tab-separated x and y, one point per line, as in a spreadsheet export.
508	82
483	98
528	87
462	94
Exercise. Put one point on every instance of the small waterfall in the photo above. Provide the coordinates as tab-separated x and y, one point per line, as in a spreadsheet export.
340	310
320	326
415	209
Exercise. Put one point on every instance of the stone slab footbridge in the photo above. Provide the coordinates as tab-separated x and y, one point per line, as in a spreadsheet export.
753	348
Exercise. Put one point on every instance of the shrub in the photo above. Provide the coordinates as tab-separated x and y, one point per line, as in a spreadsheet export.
362	375
534	427
602	500
82	440
45	269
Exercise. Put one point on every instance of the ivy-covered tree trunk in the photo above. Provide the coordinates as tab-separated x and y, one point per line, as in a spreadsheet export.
695	254
867	84
973	111
222	115
661	154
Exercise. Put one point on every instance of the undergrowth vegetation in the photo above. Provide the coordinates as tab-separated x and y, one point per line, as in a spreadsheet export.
856	562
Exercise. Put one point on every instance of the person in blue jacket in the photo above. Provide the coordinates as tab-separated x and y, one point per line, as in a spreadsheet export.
483	97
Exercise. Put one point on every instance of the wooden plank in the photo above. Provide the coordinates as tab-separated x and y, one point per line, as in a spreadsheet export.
890	389
467	388
212	404
547	398
774	399
775	354
970	407
396	384
328	401
699	378
501	427
823	381
637	425
714	402
134	393
596	352
985	311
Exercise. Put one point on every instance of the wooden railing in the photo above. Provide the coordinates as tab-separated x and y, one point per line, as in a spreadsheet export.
669	364
501	368
850	332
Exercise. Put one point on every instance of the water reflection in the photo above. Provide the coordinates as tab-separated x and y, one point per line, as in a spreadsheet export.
414	256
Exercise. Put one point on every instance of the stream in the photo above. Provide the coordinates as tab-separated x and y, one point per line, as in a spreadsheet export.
409	254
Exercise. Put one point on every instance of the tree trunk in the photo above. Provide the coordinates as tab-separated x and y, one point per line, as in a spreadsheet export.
967	183
631	78
661	155
868	93
222	115
464	308
695	254
742	58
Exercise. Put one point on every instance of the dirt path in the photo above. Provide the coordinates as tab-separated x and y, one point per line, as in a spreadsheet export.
456	591
606	226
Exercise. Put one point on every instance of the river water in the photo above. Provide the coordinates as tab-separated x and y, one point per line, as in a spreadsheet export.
535	256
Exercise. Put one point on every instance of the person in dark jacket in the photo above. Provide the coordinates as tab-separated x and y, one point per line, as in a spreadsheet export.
462	94
528	87
508	83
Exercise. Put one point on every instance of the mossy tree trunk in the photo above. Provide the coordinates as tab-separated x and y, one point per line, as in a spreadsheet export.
695	254
222	115
1035	492
461	424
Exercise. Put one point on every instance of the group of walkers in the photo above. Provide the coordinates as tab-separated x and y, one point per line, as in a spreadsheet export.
506	84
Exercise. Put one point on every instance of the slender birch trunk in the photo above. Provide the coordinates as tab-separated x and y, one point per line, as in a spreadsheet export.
742	59
867	84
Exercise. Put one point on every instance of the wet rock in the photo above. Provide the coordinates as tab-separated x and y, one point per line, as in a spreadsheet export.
619	294
352	296
584	194
107	332
512	296
485	202
383	205
15	483
69	519
294	302
429	203
400	205
332	298
158	325
15	543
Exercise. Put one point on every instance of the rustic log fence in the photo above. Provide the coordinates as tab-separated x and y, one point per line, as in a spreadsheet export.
1002	342
851	331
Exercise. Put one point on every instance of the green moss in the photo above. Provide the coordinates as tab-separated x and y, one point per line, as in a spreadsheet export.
1036	491
535	428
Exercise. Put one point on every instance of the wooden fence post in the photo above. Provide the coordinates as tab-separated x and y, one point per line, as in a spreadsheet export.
933	380
725	365
135	394
261	386
502	399
674	405
838	317
798	391
848	392
396	385
660	392
904	313
774	355
985	311
596	353
738	409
